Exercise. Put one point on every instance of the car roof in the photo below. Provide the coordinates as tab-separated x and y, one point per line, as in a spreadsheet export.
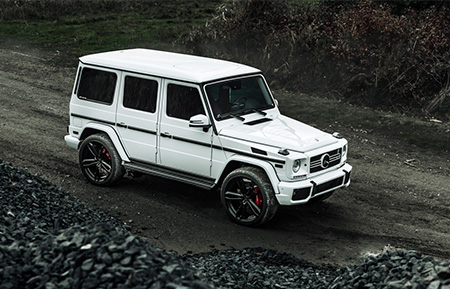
169	64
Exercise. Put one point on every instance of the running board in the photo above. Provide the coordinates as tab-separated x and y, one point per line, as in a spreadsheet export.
159	171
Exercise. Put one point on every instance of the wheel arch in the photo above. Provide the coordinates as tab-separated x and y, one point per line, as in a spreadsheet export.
238	162
94	128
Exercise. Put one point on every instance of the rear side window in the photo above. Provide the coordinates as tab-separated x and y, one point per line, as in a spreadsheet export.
183	102
140	93
97	85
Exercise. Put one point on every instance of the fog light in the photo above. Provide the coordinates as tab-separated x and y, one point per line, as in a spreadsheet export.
301	194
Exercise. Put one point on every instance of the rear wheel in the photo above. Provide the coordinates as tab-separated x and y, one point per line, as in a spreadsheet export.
99	160
248	197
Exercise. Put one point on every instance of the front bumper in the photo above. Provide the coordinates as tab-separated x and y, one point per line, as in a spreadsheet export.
295	193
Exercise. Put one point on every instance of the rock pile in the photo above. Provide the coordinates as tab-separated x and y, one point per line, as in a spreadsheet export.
48	239
262	268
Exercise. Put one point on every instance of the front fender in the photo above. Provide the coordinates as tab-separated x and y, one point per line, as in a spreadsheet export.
267	167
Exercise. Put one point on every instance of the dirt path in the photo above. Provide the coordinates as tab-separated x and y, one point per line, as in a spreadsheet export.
388	203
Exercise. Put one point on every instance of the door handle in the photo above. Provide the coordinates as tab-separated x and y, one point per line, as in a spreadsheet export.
166	134
122	124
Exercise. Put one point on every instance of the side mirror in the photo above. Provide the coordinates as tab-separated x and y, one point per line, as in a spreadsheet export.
276	102
200	120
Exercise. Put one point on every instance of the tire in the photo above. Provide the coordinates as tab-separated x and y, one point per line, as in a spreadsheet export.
248	197
99	160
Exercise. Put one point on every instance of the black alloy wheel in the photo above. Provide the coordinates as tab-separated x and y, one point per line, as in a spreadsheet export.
248	197
100	161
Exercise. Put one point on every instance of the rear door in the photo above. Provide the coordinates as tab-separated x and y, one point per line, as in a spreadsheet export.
137	116
181	147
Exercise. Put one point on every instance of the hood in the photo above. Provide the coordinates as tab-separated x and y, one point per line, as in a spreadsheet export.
282	132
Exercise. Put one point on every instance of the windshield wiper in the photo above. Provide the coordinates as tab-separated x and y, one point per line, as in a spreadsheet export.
239	116
222	116
257	110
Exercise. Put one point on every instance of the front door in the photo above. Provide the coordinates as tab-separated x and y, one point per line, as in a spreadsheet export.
181	147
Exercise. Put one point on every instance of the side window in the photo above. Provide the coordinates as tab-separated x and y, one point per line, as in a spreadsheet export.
97	85
183	101
140	93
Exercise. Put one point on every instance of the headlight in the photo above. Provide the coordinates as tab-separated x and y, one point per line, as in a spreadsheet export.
296	165
344	150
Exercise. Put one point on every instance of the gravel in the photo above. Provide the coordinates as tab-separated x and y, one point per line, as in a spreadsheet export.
49	239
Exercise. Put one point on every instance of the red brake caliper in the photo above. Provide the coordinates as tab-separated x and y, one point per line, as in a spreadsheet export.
258	197
106	153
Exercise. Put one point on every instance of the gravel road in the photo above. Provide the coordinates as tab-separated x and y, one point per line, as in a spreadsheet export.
390	201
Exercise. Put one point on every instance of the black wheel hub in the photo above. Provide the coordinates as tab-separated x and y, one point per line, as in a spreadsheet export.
96	161
243	200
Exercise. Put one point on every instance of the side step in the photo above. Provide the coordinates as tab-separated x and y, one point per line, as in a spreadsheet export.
163	172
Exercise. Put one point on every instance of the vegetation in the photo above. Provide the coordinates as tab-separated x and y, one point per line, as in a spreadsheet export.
388	54
385	54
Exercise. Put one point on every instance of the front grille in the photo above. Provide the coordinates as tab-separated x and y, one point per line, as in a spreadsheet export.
325	160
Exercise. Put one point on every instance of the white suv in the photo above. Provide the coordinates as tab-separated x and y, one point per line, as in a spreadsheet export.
202	121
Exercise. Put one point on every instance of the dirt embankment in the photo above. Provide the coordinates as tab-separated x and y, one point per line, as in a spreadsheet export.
400	194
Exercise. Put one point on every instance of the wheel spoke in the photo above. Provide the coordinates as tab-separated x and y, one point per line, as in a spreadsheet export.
105	166
99	175
88	163
233	196
96	174
239	211
91	149
254	207
242	186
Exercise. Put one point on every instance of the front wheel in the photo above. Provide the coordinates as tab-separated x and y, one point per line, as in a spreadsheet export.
99	160
248	197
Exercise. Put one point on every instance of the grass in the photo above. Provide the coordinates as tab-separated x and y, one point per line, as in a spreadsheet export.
76	35
109	33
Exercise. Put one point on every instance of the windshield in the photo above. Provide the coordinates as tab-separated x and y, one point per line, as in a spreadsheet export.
237	97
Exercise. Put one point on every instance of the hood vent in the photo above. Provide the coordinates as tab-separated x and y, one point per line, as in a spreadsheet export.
258	121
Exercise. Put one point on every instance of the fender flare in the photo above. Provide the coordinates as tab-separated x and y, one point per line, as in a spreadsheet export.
267	167
112	134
